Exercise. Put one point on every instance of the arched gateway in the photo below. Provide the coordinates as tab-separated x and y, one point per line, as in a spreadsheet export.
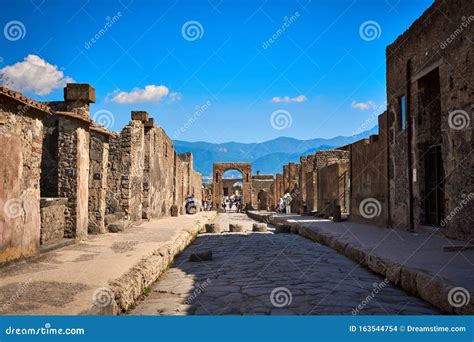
244	168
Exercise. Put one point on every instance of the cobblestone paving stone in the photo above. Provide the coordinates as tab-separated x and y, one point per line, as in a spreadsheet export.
271	274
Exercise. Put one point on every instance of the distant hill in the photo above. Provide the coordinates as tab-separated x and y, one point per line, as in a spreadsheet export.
267	157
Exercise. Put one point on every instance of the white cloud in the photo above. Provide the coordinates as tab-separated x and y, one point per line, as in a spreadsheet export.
151	93
287	99
364	105
36	75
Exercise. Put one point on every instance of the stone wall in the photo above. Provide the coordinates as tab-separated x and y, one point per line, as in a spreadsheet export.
431	66
333	187
21	135
368	177
98	174
84	172
53	220
263	196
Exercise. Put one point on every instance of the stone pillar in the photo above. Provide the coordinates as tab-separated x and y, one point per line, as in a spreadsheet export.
73	158
98	174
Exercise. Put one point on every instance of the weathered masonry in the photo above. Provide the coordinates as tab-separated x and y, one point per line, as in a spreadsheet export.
65	176
217	189
430	96
417	174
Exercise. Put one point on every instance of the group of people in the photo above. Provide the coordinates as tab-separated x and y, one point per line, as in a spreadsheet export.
284	204
206	205
228	203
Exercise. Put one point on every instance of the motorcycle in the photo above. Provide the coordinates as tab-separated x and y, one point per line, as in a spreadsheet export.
190	205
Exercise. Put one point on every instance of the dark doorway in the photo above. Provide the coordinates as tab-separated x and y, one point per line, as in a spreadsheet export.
429	139
434	186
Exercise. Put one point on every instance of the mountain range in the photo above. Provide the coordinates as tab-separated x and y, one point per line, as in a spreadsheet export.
267	157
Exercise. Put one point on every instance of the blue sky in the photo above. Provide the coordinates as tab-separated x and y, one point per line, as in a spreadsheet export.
322	75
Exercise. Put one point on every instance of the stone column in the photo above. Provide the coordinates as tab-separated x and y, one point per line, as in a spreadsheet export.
99	155
73	157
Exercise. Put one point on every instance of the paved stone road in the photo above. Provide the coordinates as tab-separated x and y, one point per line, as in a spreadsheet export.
266	273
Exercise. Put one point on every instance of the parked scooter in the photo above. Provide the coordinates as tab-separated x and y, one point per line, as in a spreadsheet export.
190	205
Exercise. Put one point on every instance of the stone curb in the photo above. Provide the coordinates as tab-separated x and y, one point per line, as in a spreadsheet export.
411	280
131	285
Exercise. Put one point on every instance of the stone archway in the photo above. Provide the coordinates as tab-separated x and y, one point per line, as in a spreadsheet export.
217	190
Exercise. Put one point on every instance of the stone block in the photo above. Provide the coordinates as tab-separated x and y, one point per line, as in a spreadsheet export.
79	92
236	228
150	123
212	228
336	214
140	115
259	227
174	211
116	227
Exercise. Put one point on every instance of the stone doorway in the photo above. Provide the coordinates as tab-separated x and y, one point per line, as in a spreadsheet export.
429	151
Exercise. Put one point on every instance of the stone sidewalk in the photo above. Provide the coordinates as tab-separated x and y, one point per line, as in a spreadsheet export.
103	275
414	262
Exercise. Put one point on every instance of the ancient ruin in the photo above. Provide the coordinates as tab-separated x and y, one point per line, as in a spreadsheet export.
77	178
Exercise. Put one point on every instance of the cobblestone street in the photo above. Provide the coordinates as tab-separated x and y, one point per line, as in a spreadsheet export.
266	273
